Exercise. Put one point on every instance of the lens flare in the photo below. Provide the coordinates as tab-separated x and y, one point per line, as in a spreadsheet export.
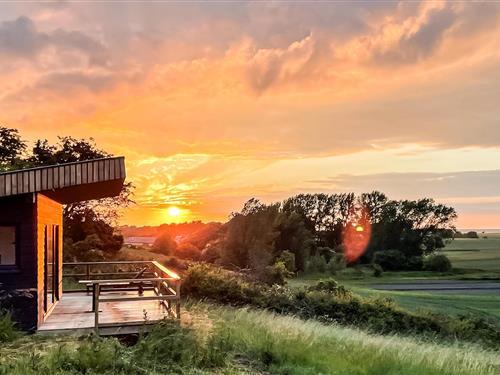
356	240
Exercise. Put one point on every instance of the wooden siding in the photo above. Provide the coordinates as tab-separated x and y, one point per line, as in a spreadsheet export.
20	211
61	176
48	212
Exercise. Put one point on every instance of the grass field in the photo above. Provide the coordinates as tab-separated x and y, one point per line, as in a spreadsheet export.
472	259
230	341
475	254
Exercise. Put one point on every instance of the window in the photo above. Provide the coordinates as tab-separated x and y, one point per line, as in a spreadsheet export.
7	246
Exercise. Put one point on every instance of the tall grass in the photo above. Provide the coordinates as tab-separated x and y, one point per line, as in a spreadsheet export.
8	331
288	345
229	341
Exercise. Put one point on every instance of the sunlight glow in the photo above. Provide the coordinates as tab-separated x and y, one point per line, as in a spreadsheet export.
174	211
360	228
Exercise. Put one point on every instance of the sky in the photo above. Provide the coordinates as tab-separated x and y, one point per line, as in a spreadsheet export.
215	102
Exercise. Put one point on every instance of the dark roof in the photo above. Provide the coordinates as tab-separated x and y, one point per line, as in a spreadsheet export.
68	183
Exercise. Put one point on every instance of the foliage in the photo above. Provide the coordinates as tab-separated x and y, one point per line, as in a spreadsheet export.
316	227
438	263
319	302
458	234
378	271
390	260
288	259
12	148
8	331
187	250
316	263
330	286
277	274
164	244
336	264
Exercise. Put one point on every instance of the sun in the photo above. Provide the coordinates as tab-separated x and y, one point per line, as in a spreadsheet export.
359	228
174	211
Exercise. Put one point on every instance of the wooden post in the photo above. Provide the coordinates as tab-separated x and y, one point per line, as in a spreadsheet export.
87	272
97	291
178	300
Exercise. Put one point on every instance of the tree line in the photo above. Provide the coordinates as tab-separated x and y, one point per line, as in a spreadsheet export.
310	231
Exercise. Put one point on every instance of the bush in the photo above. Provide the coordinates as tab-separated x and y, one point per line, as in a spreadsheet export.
337	263
390	260
330	286
316	263
8	331
288	259
187	250
415	263
377	270
19	305
164	244
277	274
437	263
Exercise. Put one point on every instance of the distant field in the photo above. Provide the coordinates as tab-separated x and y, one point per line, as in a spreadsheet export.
479	254
485	305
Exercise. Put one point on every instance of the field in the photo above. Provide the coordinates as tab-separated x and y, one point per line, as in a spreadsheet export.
239	341
475	254
473	259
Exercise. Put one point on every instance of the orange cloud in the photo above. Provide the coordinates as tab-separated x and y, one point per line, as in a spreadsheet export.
214	104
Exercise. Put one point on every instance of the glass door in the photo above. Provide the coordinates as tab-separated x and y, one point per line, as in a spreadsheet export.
51	265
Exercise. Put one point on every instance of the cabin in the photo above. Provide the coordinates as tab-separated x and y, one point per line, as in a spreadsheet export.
103	294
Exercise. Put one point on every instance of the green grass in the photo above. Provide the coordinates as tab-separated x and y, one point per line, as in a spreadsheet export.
290	346
487	306
479	254
229	341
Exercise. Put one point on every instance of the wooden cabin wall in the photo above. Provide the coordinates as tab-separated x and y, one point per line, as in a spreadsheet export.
48	213
19	211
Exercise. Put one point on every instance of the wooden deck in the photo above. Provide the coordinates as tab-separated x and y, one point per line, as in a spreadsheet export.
73	313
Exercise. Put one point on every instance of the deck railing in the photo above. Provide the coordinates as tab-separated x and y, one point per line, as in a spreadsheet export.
97	277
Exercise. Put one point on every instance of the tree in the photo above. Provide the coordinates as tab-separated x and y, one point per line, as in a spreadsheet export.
12	148
187	250
164	244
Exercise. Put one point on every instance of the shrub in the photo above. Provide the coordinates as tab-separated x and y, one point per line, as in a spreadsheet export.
277	274
415	263
187	250
288	258
316	263
164	244
390	260
437	263
377	270
331	286
19	306
337	263
8	331
220	285
211	252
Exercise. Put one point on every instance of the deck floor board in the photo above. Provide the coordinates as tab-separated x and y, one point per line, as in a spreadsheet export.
73	311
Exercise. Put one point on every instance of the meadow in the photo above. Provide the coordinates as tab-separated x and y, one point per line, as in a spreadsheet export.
472	259
475	253
223	340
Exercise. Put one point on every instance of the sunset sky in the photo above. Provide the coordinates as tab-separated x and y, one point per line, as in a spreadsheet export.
214	103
